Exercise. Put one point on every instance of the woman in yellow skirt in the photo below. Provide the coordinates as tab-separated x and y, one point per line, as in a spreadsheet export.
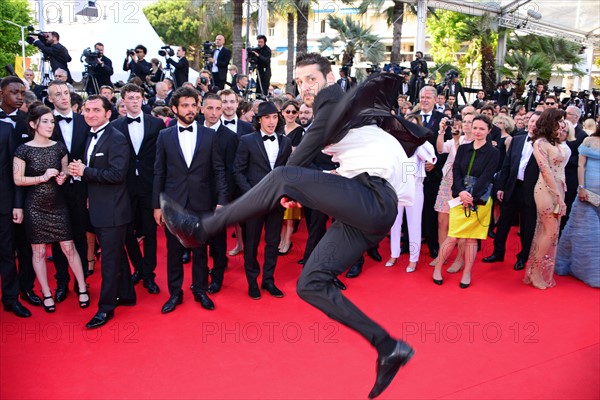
475	161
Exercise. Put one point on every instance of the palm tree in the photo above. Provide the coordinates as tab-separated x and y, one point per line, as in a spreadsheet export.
237	44
525	66
303	7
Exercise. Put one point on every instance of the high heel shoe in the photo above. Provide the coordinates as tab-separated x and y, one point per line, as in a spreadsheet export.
391	263
464	285
235	251
438	281
411	268
51	308
90	268
283	253
86	303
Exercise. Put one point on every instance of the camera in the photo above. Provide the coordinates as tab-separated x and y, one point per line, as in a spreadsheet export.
131	52
207	49
90	57
373	69
252	58
164	50
394	68
596	92
450	122
558	89
203	80
32	35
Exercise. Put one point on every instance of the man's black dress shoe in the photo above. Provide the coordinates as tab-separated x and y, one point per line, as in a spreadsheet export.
214	287
32	298
254	291
18	309
204	300
151	286
186	257
354	270
339	283
519	265
388	366
172	303
61	292
433	253
101	318
272	289
186	227
492	258
374	254
137	277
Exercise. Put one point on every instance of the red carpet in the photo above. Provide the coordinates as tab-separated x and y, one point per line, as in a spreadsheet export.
499	339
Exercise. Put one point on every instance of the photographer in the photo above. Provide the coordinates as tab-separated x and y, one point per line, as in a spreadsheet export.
102	70
219	62
56	53
345	81
156	72
182	67
536	97
263	65
452	86
134	62
418	70
508	88
204	83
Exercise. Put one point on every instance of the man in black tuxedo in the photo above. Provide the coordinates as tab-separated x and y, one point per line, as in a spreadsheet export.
258	154
431	184
515	184
11	212
104	168
57	53
182	67
505	93
212	108
536	97
345	81
12	93
141	131
71	129
241	85
135	63
405	88
263	65
190	169
453	86
230	120
418	70
101	71
219	62
480	100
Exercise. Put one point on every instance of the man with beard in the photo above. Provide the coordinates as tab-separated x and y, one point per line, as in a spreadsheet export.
306	116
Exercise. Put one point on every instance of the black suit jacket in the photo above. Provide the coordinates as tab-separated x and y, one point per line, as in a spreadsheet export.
222	62
59	56
251	161
572	164
195	187
436	173
458	90
12	196
140	175
102	74
228	143
510	168
106	177
182	70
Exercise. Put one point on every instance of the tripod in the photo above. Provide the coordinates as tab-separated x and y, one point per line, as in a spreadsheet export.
252	71
90	76
46	71
168	73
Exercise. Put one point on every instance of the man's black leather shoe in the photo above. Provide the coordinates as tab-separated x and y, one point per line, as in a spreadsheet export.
374	254
339	283
492	258
254	291
204	300
32	298
519	265
137	277
183	224
388	366
272	289
61	292
186	258
433	253
101	318
172	303
214	287
18	309
354	270
151	286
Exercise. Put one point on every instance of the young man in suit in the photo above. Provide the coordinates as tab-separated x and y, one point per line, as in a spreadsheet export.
141	131
230	120
104	168
182	67
219	62
258	154
71	129
189	167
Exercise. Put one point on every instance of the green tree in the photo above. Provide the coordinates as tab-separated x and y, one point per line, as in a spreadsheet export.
237	44
18	12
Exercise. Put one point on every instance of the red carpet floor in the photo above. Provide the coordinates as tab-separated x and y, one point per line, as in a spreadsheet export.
499	339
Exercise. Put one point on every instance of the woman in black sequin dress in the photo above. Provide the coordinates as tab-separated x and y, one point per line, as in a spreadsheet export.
41	164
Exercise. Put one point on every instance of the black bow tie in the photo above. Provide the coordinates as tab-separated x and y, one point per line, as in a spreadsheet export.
225	122
95	134
529	139
130	120
267	137
189	128
4	115
61	118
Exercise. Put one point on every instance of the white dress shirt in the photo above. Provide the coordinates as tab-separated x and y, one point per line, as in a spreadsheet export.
94	141
187	142
230	126
271	147
214	127
66	128
136	132
215	68
525	156
13	123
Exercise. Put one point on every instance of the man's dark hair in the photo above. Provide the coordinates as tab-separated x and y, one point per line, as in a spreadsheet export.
184	49
76	99
304	59
131	88
10	79
183	92
243	107
141	47
262	37
105	103
98	44
210	96
451	95
239	77
419	52
488	107
226	92
56	35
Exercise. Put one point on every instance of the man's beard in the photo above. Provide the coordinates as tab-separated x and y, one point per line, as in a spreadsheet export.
187	119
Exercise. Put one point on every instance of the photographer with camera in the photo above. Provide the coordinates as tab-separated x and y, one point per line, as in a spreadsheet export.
507	91
204	83
346	82
182	67
261	57
219	61
99	67
452	86
418	70
134	62
53	51
537	96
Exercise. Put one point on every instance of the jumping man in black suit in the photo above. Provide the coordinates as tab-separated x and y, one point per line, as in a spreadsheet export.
104	168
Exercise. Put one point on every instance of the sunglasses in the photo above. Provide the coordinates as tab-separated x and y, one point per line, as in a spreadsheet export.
550	104
294	112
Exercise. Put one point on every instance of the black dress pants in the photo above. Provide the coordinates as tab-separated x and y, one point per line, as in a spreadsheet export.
175	266
271	222
364	209
141	206
316	224
8	267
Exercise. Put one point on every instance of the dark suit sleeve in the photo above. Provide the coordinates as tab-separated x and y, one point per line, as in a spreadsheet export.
160	170
224	58
19	195
505	170
126	65
177	64
458	184
240	167
107	66
118	163
219	173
